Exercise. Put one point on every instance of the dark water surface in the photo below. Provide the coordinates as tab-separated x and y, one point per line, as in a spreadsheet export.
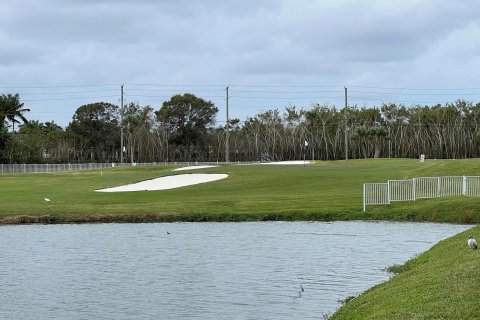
199	270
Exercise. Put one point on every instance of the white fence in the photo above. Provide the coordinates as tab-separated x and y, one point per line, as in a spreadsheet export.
47	168
375	193
67	167
419	188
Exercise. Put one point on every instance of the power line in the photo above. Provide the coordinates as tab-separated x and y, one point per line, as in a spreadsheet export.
283	86
174	85
65	92
419	89
294	94
166	96
288	92
286	98
395	100
167	90
57	86
413	94
69	98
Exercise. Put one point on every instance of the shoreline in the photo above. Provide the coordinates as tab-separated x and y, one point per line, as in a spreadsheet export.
169	217
408	293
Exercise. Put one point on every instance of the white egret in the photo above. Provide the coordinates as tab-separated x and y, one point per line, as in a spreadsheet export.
48	200
472	243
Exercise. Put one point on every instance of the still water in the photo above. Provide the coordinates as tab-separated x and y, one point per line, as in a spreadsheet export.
199	270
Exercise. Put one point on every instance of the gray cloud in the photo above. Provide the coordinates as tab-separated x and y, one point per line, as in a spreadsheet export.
414	43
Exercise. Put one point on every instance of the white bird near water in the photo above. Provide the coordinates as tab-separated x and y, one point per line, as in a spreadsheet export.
48	200
472	243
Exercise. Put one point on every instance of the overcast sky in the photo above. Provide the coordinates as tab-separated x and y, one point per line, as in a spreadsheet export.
60	54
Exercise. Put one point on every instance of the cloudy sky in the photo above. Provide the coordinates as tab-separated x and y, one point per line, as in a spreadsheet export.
60	54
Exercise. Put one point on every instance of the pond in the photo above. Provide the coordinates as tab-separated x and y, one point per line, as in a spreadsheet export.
200	270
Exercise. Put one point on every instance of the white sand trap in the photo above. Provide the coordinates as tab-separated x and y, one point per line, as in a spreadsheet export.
168	182
290	162
193	168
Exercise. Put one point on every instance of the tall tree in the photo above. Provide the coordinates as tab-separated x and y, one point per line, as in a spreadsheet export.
189	118
97	126
294	135
324	128
12	109
139	122
271	123
5	137
31	138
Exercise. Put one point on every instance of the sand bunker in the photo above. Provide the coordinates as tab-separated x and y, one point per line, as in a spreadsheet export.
169	182
289	162
193	168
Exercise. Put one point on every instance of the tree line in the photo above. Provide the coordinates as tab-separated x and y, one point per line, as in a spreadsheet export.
184	128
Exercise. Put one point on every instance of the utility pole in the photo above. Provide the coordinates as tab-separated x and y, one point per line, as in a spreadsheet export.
346	123
227	138
121	124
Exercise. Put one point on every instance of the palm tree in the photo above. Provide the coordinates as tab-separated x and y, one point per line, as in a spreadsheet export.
51	126
10	109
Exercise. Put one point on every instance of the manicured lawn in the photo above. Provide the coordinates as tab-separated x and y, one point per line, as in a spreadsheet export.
319	191
442	283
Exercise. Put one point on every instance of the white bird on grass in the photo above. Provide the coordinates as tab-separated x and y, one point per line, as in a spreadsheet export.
472	243
48	200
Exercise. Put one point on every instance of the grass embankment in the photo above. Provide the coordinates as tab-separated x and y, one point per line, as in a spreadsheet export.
320	191
442	283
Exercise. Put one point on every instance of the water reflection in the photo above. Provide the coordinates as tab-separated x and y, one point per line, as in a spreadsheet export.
199	271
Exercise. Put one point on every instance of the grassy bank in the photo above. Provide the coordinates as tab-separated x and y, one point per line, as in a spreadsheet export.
320	191
439	284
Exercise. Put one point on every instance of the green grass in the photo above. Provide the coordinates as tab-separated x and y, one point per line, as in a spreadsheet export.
432	286
442	283
320	191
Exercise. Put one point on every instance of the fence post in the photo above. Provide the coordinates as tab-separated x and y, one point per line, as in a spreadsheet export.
364	204
464	186
414	195
388	192
438	187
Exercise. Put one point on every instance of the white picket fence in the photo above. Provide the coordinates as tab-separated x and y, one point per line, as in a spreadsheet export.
419	188
70	167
